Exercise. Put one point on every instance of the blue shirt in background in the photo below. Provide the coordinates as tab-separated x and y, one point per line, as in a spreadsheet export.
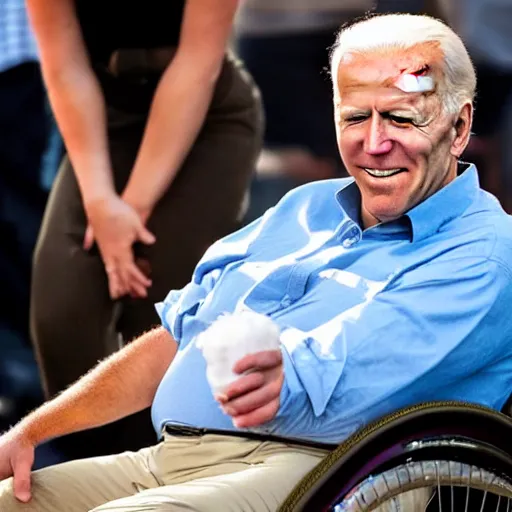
17	41
372	320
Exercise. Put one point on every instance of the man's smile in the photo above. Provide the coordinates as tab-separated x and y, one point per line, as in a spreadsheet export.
383	173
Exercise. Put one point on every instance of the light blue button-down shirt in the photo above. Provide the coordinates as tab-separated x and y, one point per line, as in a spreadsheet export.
371	320
17	41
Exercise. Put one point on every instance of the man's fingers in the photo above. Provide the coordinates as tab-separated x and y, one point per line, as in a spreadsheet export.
21	478
241	386
258	416
259	360
255	399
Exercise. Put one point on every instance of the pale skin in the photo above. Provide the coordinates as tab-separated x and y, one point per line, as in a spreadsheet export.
117	221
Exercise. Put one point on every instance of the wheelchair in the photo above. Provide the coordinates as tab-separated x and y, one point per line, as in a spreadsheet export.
437	456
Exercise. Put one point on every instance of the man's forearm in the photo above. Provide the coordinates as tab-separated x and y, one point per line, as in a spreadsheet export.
121	385
177	114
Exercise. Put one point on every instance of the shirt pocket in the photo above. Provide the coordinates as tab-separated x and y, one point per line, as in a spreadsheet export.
279	289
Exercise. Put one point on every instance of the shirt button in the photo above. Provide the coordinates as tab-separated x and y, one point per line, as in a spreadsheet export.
286	301
349	242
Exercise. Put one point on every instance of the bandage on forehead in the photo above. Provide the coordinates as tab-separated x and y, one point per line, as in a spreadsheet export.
418	81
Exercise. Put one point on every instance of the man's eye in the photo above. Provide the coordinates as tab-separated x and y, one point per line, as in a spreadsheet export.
357	118
400	119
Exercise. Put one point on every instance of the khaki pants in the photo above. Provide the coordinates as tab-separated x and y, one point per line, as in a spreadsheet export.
206	474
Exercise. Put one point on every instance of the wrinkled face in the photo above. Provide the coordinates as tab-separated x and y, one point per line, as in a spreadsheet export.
394	136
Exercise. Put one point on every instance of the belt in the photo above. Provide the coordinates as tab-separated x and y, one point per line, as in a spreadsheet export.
132	61
185	431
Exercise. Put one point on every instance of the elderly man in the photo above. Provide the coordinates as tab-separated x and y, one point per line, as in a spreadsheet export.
389	288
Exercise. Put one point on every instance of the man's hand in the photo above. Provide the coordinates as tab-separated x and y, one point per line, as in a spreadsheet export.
116	226
16	459
253	399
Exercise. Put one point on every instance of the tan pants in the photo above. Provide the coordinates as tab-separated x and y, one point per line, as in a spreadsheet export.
204	474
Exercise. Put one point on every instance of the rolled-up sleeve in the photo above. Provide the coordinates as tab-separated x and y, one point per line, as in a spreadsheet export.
423	337
177	304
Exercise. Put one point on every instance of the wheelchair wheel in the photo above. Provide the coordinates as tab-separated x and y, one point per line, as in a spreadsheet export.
442	456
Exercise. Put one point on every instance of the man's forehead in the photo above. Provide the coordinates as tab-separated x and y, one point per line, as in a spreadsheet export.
389	98
414	69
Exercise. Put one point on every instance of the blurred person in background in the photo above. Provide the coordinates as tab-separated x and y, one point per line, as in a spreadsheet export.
162	128
484	25
24	130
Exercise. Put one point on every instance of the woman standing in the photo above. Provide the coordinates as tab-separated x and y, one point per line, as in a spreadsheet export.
162	127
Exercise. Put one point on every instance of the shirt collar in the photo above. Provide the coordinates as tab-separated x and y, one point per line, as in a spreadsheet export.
349	198
445	205
427	217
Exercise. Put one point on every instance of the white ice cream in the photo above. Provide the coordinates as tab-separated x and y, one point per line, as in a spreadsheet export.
229	339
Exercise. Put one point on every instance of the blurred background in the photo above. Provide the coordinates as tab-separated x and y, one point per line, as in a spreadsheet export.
285	46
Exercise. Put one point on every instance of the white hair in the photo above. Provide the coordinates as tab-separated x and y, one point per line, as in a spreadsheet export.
404	31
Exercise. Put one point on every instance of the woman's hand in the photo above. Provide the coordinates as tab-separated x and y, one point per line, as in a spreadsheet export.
115	226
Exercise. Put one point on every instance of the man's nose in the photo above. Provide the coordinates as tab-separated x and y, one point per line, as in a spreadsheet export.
376	141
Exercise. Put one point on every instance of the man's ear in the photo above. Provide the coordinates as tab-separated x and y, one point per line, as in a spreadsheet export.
462	129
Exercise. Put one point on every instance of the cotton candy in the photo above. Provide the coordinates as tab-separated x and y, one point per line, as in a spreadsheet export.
231	337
